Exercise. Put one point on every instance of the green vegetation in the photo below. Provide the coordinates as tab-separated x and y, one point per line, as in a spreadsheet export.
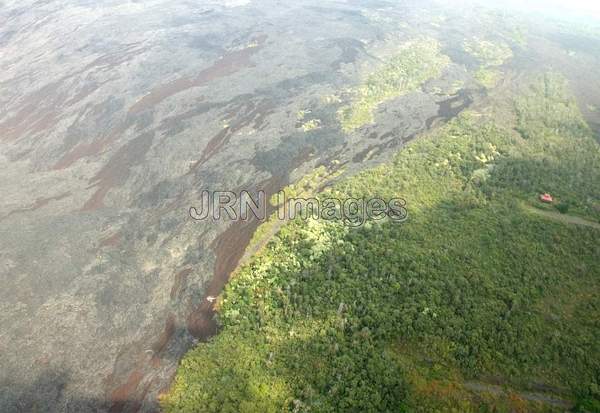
311	125
456	87
488	77
305	124
309	184
489	54
519	36
415	317
418	62
563	160
306	187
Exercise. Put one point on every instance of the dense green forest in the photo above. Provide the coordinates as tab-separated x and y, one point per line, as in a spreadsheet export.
474	290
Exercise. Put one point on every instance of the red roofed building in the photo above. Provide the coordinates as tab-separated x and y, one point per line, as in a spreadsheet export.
547	198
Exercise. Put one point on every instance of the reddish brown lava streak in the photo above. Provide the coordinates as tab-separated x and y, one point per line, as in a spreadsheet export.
229	246
39	203
226	66
117	169
39	110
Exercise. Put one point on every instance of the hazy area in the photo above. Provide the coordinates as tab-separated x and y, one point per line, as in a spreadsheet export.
115	115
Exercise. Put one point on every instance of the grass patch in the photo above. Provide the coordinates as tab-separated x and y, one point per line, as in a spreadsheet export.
488	77
487	52
490	55
416	63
